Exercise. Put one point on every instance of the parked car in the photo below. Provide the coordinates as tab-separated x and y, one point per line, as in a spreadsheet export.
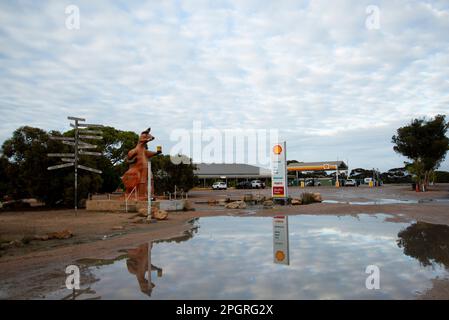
219	186
243	185
351	183
257	184
311	183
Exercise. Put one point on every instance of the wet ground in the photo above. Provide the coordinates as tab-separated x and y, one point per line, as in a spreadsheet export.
232	258
328	241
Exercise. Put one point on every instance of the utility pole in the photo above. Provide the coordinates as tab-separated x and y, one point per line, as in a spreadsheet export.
83	131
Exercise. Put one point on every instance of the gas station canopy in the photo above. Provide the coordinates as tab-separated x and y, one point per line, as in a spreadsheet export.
317	166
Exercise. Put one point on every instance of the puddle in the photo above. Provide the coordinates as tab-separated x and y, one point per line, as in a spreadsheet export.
233	258
374	202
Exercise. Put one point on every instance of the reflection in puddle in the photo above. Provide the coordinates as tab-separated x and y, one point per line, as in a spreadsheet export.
373	202
428	243
237	258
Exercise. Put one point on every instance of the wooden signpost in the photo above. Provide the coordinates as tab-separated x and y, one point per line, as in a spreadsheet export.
82	131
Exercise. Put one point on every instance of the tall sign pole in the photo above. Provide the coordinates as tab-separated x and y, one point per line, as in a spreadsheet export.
279	186
82	131
149	191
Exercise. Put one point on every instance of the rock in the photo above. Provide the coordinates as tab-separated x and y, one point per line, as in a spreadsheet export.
188	205
143	212
317	197
16	243
211	202
260	198
296	202
41	238
248	197
159	214
65	234
236	205
268	203
222	202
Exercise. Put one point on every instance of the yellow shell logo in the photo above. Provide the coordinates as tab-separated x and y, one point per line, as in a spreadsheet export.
280	255
277	149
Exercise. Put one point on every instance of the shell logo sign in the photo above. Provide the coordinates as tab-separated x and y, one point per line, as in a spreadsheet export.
280	255
277	149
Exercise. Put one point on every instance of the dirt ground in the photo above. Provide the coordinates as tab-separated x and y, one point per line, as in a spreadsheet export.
31	268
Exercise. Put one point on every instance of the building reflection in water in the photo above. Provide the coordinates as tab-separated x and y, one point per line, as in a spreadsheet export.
139	264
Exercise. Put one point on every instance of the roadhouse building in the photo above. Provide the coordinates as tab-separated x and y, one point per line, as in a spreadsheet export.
229	172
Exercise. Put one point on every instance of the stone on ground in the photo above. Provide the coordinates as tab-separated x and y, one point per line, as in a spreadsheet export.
236	205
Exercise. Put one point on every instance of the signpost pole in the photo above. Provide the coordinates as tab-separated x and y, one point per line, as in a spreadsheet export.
77	144
76	167
149	192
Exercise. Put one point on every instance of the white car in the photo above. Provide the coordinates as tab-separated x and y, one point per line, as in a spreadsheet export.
257	184
219	186
351	183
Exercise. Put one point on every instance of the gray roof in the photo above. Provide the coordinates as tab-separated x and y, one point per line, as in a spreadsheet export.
341	165
230	170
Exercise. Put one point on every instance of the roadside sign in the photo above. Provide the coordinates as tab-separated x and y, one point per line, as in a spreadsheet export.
62	138
72	159
91	137
89	125
87	153
89	169
83	131
281	249
76	119
60	154
65	165
279	187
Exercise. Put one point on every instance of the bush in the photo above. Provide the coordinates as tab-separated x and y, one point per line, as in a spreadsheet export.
307	198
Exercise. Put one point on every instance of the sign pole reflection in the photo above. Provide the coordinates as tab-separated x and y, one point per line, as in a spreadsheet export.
281	249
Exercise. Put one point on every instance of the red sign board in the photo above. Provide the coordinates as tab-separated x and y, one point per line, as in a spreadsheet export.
278	191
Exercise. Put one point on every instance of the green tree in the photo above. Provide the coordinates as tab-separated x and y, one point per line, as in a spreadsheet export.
167	175
24	162
425	143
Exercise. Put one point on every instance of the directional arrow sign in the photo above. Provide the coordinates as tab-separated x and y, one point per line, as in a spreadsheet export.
75	119
87	153
61	154
90	125
86	146
89	169
90	131
91	137
66	165
63	138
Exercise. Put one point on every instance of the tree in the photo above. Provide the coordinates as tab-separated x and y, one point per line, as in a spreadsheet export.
167	175
24	162
425	143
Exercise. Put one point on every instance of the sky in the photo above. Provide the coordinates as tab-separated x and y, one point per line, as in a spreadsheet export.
335	78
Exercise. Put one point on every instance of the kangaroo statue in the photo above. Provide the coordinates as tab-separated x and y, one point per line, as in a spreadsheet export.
137	174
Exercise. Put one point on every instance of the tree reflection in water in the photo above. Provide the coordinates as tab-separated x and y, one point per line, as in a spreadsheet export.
426	242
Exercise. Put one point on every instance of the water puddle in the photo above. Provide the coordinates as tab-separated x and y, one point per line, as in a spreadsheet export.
373	202
302	257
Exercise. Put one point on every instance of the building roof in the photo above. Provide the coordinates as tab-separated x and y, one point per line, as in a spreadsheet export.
317	166
230	170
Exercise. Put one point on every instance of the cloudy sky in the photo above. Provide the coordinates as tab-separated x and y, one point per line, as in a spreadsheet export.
331	77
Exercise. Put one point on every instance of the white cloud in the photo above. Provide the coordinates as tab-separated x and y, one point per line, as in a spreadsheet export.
310	68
